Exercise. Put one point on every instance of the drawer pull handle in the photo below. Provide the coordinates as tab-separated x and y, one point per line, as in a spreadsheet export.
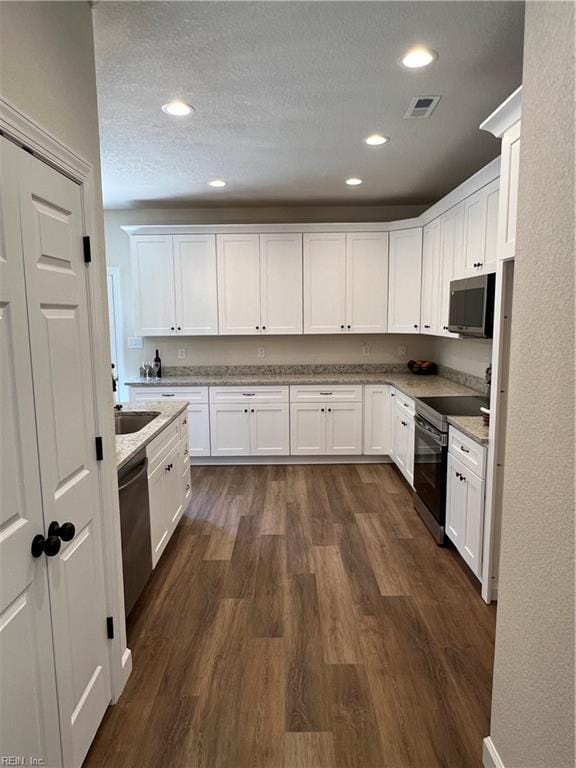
248	394
464	450
165	395
326	393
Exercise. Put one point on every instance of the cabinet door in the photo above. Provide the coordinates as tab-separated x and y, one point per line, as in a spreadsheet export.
238	259
270	430
196	285
474	523
307	429
367	282
405	277
431	278
343	429
455	502
324	283
229	430
157	493
480	230
198	430
492	205
281	283
174	495
409	448
153	281
401	441
508	202
452	239
378	427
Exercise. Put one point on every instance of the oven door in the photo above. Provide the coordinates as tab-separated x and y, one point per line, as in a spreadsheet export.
430	460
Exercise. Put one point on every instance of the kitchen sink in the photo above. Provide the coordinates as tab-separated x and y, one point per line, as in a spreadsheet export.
132	421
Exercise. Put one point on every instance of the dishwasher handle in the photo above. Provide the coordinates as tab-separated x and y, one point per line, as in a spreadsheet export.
140	471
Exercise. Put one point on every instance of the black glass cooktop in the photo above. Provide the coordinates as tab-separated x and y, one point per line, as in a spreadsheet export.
458	405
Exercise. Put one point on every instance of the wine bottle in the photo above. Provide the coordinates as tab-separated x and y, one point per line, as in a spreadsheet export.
158	365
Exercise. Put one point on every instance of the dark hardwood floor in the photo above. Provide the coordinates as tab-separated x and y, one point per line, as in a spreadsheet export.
303	617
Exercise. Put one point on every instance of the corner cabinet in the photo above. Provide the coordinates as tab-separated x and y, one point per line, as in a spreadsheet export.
405	280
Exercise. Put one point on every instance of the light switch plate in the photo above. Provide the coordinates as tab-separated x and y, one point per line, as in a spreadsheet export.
261	352
402	350
365	350
135	342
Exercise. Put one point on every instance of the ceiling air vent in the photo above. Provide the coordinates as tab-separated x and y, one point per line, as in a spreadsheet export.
421	107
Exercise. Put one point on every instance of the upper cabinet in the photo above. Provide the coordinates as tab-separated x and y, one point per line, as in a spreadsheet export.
324	283
405	280
238	284
431	278
195	284
480	232
451	245
367	282
153	282
281	283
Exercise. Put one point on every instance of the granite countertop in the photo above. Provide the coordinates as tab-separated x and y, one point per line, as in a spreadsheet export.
128	446
472	426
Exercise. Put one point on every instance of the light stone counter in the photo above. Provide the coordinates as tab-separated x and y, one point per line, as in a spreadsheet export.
472	426
128	446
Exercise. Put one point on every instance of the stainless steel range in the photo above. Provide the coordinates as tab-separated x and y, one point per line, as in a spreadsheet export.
431	454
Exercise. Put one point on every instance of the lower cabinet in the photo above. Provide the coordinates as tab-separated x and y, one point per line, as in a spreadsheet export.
257	429
166	500
378	422
198	416
403	444
326	428
465	512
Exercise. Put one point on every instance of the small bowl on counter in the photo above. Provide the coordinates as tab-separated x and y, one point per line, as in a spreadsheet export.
422	367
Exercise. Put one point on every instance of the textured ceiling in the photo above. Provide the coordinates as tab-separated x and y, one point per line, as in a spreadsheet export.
285	92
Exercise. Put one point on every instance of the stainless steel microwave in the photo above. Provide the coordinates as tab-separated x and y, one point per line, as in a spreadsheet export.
472	306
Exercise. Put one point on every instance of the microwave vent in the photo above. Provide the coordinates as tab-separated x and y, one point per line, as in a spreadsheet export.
421	107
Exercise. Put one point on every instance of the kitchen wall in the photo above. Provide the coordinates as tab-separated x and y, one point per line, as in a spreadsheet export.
467	355
533	694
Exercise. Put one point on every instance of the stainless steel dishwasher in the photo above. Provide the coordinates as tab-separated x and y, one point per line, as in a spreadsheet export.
135	527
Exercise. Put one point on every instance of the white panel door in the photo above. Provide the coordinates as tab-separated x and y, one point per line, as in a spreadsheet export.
367	282
431	278
229	429
474	233
452	239
56	287
400	454
343	429
410	437
324	283
508	203
238	258
174	495
157	494
474	524
455	502
198	430
307	429
153	285
28	703
196	285
270	429
404	281
281	283
378	428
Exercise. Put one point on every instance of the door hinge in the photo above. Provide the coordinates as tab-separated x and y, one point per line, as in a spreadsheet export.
87	249
99	449
110	627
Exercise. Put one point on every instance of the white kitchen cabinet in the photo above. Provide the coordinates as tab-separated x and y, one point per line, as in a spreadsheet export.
165	500
195	285
367	282
153	280
465	512
307	429
281	283
324	282
431	278
198	429
269	429
509	173
378	420
452	240
326	428
229	429
404	433
238	259
480	231
343	429
405	274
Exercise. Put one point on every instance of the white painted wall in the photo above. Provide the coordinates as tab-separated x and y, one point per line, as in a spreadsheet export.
468	355
533	695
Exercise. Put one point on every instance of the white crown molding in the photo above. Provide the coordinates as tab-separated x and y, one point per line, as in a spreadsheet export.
504	116
490	756
16	125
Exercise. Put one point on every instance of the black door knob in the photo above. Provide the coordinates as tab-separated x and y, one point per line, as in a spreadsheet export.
66	531
50	546
341	326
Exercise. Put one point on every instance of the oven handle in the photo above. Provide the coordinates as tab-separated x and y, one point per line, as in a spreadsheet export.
435	434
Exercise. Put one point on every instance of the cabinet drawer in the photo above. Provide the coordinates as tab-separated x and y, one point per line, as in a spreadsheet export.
467	451
158	448
191	394
404	402
313	393
248	395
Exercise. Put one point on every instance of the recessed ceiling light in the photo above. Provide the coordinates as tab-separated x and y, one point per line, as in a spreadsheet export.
353	182
376	140
217	183
177	108
418	57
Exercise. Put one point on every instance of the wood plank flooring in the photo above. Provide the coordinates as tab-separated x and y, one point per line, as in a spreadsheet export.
302	617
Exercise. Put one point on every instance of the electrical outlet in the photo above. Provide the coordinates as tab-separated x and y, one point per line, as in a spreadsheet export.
402	350
261	352
365	350
181	354
135	342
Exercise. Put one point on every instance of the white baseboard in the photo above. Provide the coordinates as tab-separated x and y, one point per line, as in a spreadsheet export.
206	461
490	756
